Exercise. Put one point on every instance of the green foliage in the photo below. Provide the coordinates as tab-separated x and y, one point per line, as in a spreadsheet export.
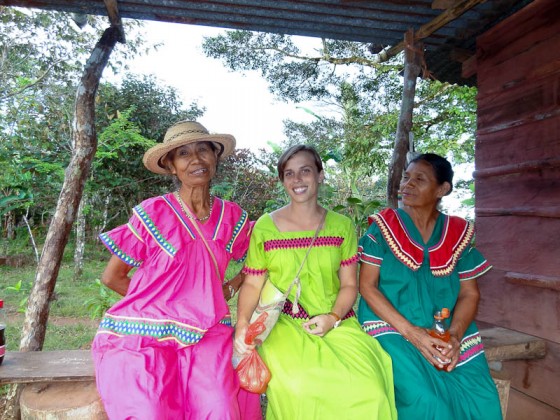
22	290
14	200
246	180
103	298
358	211
43	54
469	202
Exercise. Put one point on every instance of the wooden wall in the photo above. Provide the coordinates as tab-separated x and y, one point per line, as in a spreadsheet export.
518	194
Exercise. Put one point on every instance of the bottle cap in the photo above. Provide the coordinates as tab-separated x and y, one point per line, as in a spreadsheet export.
441	315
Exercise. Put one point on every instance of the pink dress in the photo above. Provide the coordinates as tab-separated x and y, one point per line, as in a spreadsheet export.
164	350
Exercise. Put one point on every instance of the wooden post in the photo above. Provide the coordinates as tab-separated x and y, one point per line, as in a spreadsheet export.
412	56
85	145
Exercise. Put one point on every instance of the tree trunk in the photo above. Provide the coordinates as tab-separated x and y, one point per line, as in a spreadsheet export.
412	57
106	202
10	226
31	237
85	145
80	239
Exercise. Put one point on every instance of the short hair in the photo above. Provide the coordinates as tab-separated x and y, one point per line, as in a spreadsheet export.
441	166
291	152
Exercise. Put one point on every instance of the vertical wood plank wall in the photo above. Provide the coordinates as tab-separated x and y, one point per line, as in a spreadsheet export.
518	194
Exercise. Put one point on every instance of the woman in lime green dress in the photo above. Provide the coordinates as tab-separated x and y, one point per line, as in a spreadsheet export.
415	261
323	366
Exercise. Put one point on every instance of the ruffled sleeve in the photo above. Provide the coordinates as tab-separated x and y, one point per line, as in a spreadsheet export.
349	248
240	236
472	264
256	260
127	242
370	248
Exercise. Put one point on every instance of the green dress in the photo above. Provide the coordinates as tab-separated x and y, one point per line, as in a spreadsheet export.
418	279
343	375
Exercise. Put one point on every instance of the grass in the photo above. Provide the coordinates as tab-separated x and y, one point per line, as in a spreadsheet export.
70	324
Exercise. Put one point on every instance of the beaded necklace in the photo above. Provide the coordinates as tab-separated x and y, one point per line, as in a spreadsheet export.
188	213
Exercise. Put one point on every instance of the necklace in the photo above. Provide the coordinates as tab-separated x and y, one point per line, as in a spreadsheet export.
188	213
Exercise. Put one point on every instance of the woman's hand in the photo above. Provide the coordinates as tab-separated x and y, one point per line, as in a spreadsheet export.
463	315
230	287
239	345
319	325
452	352
228	290
428	346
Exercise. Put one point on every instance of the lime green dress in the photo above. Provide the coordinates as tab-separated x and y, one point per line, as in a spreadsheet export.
419	278
343	375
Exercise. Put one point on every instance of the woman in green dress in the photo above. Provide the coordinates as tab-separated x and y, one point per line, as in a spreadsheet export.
415	261
323	366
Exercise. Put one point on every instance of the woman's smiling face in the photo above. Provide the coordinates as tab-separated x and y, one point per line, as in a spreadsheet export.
194	164
301	177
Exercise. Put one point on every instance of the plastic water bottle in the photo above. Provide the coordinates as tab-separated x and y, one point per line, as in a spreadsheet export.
440	330
2	332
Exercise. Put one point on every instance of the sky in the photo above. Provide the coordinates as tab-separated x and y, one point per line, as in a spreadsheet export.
235	104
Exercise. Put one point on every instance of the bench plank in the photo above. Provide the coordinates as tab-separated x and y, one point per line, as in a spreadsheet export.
77	365
503	344
47	366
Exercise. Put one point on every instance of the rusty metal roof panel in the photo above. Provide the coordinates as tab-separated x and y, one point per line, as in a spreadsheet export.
382	22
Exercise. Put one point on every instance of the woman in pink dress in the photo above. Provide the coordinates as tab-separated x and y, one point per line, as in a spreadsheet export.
164	350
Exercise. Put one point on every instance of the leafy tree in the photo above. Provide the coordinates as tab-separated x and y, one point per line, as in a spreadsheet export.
247	180
363	93
42	55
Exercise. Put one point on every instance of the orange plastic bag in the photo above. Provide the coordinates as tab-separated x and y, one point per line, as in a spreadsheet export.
253	374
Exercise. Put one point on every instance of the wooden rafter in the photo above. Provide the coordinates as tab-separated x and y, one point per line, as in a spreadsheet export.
429	28
115	18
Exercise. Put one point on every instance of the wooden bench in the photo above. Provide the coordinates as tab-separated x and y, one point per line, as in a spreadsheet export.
60	384
47	366
501	344
76	366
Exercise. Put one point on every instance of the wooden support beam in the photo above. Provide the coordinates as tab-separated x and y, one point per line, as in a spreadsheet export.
524	211
460	55
412	58
429	28
443	4
516	168
502	344
469	68
115	18
533	280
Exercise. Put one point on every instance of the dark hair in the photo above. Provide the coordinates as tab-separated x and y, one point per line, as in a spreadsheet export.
291	152
440	165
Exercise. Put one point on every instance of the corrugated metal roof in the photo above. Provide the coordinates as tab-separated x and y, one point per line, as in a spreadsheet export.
377	22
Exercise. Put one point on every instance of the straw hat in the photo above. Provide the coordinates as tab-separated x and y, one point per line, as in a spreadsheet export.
179	134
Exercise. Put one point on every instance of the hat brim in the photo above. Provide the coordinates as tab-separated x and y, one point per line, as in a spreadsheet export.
152	157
